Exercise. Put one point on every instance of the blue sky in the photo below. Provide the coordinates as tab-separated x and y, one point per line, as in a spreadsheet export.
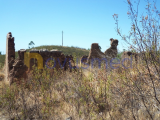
83	21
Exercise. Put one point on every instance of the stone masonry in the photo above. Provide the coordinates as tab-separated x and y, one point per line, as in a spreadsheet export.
93	52
110	53
17	69
83	59
10	55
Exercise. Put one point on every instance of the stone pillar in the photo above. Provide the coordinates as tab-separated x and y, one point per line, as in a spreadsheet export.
10	55
93	52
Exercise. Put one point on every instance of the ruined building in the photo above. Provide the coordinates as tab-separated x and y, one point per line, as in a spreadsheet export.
112	51
17	68
83	59
95	54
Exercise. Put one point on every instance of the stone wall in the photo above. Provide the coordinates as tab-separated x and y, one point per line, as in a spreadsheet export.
130	55
17	69
112	50
105	57
93	53
83	59
10	55
128	58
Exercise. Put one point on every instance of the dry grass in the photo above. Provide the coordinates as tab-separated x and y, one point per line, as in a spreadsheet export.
1	76
85	94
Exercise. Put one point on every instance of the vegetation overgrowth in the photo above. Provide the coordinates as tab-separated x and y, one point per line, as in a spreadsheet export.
99	94
95	94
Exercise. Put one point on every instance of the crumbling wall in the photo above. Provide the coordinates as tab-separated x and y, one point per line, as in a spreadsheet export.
128	57
93	53
70	63
128	54
49	55
139	57
112	51
10	55
16	69
83	59
109	54
19	69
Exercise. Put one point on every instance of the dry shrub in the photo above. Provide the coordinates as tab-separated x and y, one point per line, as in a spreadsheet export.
118	94
1	76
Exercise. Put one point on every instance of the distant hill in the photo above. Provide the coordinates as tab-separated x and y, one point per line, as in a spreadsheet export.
74	51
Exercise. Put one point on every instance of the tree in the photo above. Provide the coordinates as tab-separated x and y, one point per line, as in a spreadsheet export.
147	37
145	40
0	53
31	44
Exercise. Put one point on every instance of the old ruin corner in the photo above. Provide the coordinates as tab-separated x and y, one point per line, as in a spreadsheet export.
16	69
